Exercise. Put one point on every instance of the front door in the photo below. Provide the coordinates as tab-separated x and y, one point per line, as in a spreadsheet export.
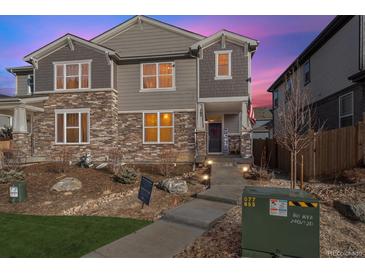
215	138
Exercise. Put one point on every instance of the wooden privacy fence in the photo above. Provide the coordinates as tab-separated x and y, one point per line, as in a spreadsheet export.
329	153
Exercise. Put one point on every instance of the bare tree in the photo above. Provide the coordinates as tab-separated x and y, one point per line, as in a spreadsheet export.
295	119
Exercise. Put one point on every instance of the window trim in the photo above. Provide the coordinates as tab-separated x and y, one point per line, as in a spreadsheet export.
64	63
65	112
223	77
339	109
309	66
173	88
158	127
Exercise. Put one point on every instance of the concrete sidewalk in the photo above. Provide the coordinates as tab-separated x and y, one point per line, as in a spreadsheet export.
182	225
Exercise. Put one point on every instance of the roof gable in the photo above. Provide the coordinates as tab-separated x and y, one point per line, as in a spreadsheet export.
62	41
141	20
227	35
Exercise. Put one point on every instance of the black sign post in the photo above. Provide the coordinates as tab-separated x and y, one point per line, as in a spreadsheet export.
145	190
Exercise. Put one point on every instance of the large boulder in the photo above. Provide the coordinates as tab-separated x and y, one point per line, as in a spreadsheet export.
67	184
173	185
352	211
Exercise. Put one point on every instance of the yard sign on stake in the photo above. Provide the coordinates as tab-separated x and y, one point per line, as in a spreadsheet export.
145	190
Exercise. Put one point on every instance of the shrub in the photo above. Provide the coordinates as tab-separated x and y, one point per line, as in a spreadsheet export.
6	133
167	162
13	159
126	175
11	176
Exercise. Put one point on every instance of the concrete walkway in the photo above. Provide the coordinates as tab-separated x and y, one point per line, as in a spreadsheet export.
182	225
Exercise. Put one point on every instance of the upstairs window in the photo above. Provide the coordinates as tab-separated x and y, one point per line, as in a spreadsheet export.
306	72
158	76
72	75
158	128
346	110
223	64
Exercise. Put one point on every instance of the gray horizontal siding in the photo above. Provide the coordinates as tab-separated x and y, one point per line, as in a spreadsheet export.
131	99
100	69
231	122
237	86
148	40
21	84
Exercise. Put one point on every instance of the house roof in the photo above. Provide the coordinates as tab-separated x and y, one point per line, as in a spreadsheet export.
332	28
234	37
66	39
263	113
22	69
140	19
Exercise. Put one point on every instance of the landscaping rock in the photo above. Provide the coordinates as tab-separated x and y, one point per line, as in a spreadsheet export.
102	165
67	184
173	185
354	212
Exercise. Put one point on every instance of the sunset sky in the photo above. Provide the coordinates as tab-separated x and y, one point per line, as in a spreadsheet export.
281	38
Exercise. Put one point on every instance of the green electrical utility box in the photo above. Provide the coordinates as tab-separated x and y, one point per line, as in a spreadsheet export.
17	192
279	222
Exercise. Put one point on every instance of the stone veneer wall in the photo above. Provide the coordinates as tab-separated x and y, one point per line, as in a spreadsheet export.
131	135
103	124
234	142
201	141
22	142
246	145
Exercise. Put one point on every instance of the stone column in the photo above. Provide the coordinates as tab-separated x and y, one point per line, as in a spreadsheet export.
21	138
201	143
246	136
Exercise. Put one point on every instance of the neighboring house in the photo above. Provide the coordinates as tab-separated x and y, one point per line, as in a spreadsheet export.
332	69
5	118
144	86
262	128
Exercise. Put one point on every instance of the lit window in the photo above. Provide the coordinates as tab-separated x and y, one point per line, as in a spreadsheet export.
157	76
306	72
72	75
223	64
72	126
346	111
158	127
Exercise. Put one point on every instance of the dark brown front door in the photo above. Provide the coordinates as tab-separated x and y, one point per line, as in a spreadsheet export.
215	137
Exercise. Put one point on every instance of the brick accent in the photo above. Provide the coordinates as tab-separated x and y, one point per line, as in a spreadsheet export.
131	134
103	124
22	142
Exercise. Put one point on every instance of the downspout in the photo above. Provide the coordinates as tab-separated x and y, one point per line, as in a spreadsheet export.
196	56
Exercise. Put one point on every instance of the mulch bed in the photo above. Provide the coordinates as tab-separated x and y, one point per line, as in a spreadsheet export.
96	184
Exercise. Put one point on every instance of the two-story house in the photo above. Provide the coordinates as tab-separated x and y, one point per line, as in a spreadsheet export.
143	86
331	68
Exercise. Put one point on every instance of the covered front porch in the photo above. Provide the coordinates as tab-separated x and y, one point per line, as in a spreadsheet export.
22	111
223	128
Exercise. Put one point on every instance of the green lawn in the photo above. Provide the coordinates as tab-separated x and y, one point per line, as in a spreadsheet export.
25	236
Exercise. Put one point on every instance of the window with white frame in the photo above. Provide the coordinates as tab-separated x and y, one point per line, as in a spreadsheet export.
158	76
72	126
72	75
346	110
158	127
223	64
